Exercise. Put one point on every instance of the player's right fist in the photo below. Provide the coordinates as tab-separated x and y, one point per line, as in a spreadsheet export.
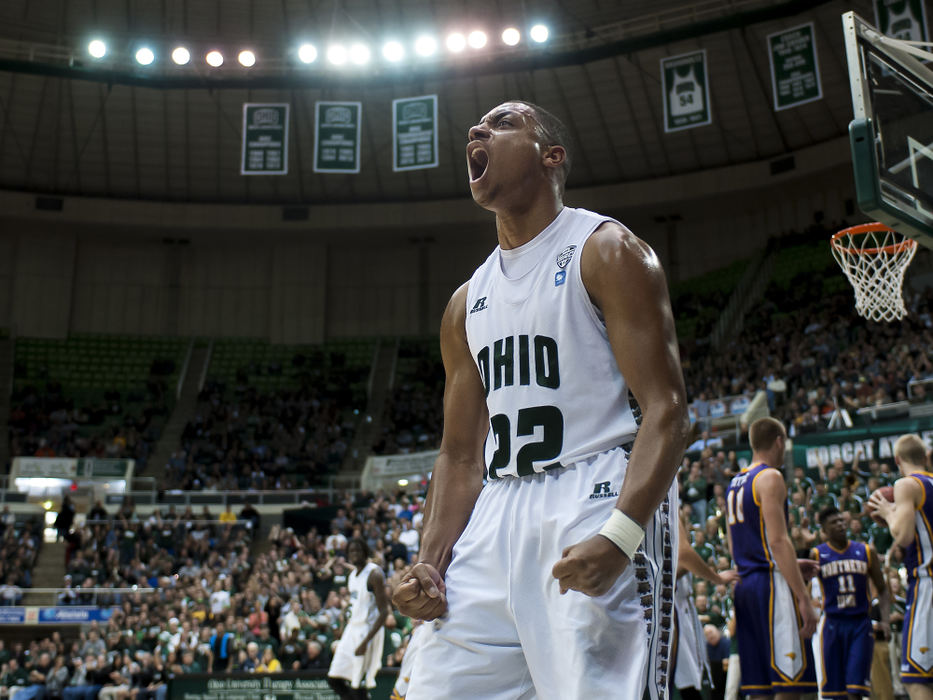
422	595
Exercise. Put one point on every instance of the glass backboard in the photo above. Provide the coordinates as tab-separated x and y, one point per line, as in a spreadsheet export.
892	133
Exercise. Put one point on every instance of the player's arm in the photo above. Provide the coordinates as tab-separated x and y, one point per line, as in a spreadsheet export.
625	281
884	592
458	470
688	559
900	515
771	492
377	584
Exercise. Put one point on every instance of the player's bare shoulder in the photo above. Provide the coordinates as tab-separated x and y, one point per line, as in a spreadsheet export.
615	259
452	323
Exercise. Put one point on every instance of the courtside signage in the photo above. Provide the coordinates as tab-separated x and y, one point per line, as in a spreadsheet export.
685	91
902	19
795	71
337	137
414	133
265	139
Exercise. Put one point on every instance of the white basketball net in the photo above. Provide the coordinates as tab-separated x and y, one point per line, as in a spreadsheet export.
874	258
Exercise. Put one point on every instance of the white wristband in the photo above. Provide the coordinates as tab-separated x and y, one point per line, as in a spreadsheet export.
623	532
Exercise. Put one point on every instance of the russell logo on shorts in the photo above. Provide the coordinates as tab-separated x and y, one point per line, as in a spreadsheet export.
603	489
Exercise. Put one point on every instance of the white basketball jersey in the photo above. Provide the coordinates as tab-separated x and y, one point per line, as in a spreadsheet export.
363	608
554	391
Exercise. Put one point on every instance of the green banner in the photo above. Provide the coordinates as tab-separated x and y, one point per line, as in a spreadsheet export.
337	137
685	91
265	139
279	686
902	19
795	71
414	133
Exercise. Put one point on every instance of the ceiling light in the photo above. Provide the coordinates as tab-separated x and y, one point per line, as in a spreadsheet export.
307	53
215	59
145	56
393	51
246	58
539	33
456	42
425	45
477	39
97	48
337	54
181	55
359	54
511	36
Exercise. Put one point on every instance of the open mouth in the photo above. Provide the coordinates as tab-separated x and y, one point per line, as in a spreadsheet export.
478	160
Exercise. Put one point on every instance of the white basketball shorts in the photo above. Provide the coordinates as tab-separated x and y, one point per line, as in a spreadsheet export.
509	634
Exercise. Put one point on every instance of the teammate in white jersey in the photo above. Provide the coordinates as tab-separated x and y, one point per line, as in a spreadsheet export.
359	652
554	580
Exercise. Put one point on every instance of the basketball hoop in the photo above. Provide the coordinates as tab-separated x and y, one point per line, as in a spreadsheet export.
874	258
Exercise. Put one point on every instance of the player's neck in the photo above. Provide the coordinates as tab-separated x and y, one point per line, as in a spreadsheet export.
839	546
517	225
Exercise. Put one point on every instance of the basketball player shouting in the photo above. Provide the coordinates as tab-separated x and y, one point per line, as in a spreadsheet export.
554	580
910	519
773	611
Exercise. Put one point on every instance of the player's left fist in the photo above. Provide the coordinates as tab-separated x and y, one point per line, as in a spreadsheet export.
590	567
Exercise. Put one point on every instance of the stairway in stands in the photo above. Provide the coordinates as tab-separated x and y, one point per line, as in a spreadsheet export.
6	387
49	572
170	440
370	427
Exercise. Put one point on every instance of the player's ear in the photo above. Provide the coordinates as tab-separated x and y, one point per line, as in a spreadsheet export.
554	156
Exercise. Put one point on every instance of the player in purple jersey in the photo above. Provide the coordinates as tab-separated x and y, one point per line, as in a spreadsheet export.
910	519
773	611
844	637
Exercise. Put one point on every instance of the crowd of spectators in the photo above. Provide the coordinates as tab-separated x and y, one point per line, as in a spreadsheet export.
217	606
49	421
20	541
246	439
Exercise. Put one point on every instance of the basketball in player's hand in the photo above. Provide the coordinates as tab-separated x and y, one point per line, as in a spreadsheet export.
887	493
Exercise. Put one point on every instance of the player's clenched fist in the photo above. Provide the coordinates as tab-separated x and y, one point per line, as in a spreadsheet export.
422	595
590	567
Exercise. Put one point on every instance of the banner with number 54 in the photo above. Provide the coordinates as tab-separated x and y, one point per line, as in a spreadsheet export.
685	91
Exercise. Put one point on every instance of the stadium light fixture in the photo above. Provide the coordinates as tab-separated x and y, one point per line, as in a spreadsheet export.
477	39
456	42
214	59
337	54
181	55
144	56
97	48
393	51
511	36
425	45
359	54
539	33
246	58
307	53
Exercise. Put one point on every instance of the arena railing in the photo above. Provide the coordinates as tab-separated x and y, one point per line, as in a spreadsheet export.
223	498
88	596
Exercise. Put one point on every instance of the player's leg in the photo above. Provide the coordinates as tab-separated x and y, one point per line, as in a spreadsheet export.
917	650
340	686
753	634
792	666
474	651
832	652
860	653
578	646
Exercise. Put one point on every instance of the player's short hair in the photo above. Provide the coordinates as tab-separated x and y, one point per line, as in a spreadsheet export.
763	433
367	552
910	449
555	133
827	512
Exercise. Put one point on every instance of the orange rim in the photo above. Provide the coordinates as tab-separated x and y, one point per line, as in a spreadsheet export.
874	227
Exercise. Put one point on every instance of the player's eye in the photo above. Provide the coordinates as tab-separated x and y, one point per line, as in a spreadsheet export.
504	121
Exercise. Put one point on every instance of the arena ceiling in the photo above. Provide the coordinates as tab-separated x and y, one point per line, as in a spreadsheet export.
71	127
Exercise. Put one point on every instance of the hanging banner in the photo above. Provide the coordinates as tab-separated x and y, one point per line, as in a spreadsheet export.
337	137
902	19
414	133
265	139
685	91
795	71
